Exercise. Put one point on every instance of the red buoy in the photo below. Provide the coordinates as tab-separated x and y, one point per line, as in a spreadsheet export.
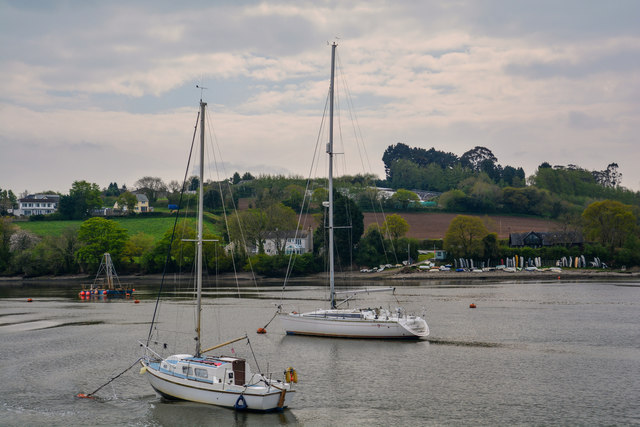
84	396
472	305
262	331
136	302
29	300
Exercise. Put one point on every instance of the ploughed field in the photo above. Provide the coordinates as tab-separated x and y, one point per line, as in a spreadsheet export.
435	225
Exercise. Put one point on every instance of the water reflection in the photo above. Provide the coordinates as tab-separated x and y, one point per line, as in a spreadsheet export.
170	413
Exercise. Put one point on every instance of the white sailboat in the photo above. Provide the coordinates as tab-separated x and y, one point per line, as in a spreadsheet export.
224	380
358	322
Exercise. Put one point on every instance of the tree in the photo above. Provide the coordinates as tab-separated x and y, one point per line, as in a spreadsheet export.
7	201
610	177
153	187
112	190
236	178
478	159
249	227
128	200
100	235
294	196
395	227
490	246
371	249
464	237
136	246
453	200
7	229
404	198
282	220
348	223
83	198
319	196
609	222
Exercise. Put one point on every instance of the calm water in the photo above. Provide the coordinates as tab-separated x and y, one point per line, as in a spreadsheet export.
530	353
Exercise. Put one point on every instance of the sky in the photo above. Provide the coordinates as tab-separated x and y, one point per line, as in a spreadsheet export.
105	91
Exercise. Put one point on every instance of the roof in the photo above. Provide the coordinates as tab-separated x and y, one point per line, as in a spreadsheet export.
47	198
142	198
300	234
540	238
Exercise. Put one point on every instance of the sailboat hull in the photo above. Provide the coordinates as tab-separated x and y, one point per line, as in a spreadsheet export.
353	324
259	397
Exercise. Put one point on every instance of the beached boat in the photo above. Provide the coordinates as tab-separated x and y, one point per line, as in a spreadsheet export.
222	380
106	283
357	322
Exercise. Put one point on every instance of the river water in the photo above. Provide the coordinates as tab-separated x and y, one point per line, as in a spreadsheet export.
551	353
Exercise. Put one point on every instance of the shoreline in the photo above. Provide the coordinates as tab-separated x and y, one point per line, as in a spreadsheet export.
401	274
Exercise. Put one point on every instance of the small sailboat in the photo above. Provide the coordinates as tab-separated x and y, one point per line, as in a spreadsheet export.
106	283
357	322
216	380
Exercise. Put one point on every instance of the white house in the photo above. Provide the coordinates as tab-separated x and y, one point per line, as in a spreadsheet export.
141	206
37	204
296	243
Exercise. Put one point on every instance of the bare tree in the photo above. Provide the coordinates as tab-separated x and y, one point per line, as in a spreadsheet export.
153	187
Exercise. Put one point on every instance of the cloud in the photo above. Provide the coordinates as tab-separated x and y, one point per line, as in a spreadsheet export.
533	82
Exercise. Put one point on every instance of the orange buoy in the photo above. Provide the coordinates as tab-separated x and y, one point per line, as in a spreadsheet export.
136	302
29	300
84	396
472	305
262	331
104	292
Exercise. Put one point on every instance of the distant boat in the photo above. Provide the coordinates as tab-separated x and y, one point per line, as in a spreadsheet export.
106	283
358	322
224	380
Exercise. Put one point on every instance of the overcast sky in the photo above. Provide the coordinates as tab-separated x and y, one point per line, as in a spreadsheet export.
105	91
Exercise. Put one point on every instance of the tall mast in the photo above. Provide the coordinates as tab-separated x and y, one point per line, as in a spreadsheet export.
330	152
199	236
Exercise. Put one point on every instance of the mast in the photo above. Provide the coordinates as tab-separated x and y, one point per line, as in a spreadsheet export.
108	266
199	232
330	153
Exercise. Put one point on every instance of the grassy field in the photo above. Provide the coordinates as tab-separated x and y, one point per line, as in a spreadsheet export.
155	227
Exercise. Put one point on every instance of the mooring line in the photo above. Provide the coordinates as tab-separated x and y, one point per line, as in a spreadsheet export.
90	395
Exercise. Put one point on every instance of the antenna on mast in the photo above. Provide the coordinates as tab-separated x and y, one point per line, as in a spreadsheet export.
201	89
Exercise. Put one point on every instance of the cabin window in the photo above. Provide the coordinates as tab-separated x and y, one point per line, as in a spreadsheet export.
201	373
187	371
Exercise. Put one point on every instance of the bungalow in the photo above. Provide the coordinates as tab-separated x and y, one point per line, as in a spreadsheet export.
37	204
538	239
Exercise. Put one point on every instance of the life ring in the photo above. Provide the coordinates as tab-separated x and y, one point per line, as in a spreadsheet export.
241	403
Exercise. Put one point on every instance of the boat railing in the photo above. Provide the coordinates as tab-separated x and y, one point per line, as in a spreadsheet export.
147	348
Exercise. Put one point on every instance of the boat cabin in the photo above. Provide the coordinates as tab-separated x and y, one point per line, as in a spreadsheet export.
212	370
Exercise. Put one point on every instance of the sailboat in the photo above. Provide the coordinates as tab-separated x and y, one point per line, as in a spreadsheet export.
221	380
106	282
344	322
